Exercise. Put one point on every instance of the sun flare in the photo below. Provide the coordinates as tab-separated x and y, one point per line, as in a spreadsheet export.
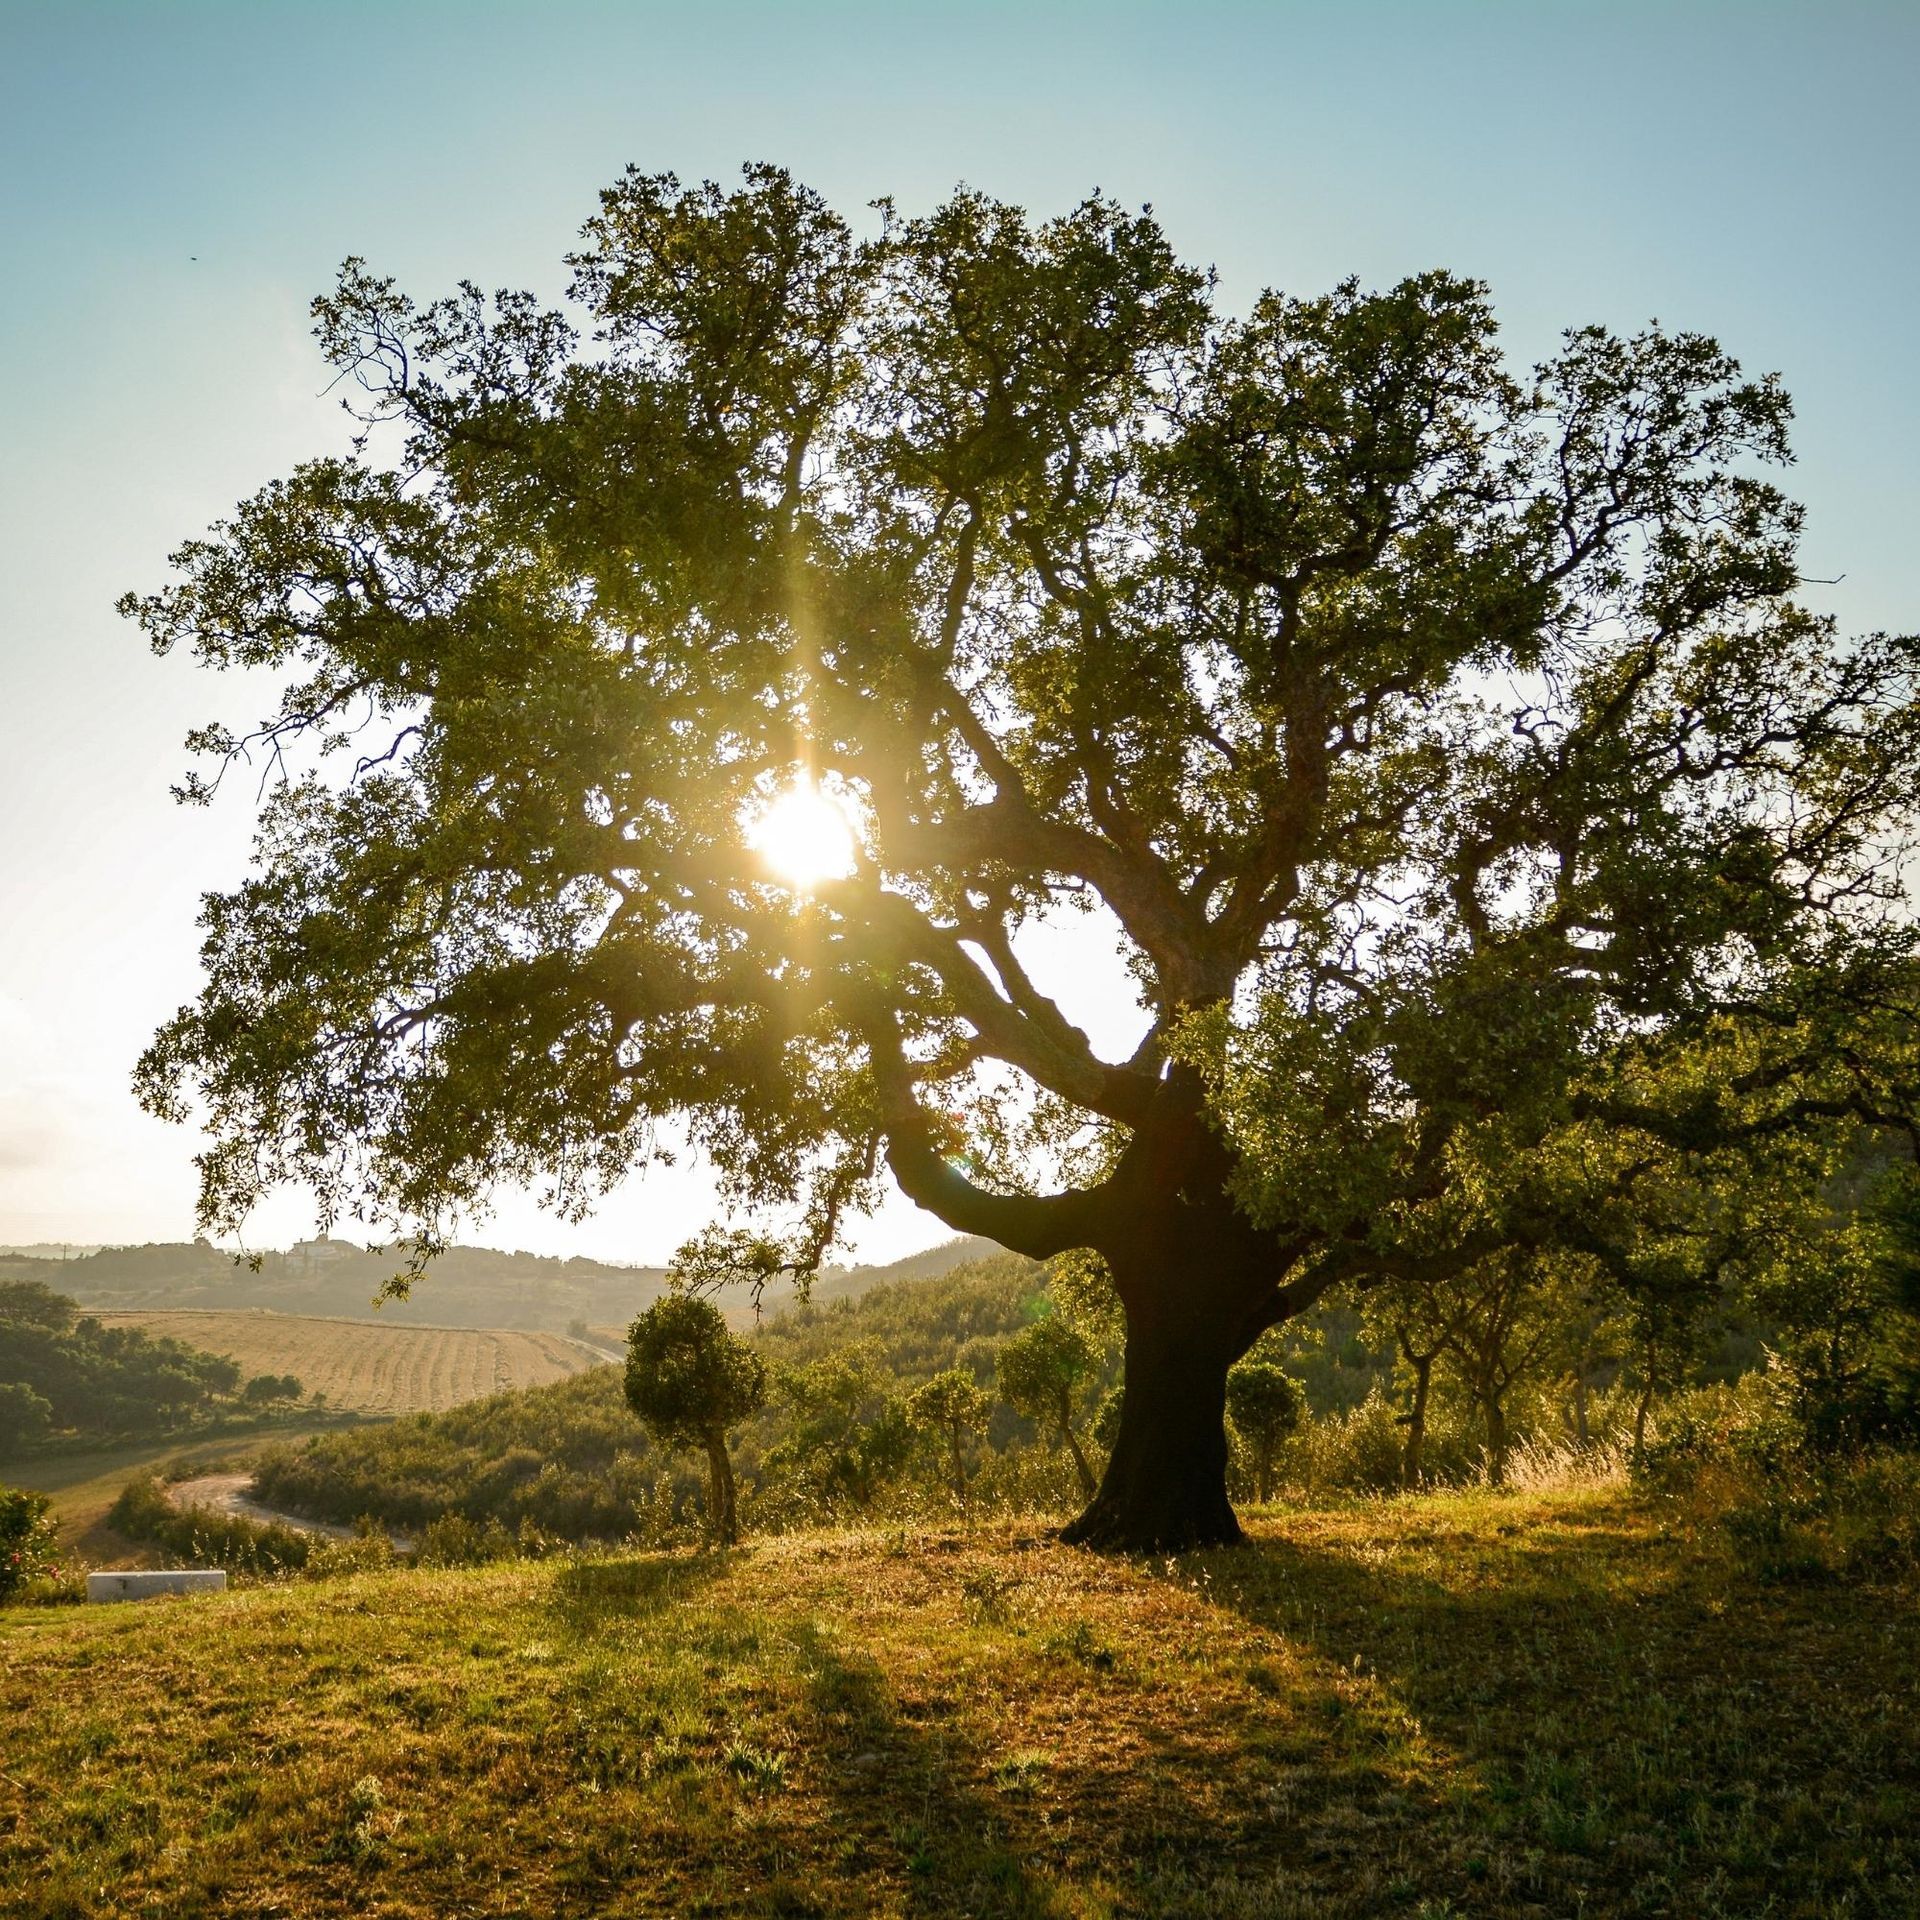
804	837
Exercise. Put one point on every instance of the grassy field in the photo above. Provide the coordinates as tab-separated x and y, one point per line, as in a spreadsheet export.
1543	1704
370	1368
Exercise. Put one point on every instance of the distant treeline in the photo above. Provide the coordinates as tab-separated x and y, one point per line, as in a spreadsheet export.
62	1372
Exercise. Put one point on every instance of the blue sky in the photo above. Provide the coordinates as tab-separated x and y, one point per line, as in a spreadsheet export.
176	181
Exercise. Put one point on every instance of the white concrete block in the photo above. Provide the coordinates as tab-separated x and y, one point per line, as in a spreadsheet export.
138	1586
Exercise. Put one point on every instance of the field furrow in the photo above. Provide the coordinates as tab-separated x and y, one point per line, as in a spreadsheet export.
365	1366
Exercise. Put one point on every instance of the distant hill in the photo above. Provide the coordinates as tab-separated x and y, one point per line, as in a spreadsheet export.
849	1283
465	1287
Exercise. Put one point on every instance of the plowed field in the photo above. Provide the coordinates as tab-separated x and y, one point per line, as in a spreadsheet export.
369	1368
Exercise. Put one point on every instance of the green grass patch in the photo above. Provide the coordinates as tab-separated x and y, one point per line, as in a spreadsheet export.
1490	1705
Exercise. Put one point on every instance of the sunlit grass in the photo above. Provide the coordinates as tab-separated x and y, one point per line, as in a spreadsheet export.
1484	1703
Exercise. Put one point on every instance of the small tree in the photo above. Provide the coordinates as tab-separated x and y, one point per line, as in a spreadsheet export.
689	1380
1041	1372
950	1406
850	1437
1264	1403
265	1389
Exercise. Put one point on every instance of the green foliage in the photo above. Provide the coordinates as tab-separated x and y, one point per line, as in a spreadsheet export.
1046	1374
688	1378
366	1550
1359	1451
848	1437
1080	1286
951	1402
1791	1507
1265	1404
27	1550
953	1408
203	1538
101	1382
455	1541
1043	1371
24	1417
265	1389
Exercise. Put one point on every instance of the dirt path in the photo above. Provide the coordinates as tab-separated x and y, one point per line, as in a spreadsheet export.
227	1493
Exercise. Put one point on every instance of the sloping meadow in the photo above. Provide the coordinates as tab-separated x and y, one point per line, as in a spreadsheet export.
1503	1705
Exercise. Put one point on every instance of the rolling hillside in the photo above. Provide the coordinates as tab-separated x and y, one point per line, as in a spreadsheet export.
477	1287
379	1368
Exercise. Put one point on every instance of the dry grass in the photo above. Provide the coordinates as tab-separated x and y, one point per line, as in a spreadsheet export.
368	1367
1520	1704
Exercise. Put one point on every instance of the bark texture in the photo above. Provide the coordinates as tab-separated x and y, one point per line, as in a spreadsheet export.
722	1506
1165	1488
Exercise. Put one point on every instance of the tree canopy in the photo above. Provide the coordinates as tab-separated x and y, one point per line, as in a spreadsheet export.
1489	834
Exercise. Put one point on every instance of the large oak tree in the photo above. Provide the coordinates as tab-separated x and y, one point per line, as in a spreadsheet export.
1433	736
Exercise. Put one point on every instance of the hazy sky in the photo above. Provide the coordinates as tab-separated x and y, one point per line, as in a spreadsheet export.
177	180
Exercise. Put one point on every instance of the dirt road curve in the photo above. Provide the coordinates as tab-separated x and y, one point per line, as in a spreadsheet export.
227	1493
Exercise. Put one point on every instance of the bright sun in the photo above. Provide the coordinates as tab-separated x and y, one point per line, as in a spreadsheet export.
804	837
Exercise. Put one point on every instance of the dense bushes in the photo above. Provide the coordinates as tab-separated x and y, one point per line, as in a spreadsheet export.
1758	1460
570	1457
206	1539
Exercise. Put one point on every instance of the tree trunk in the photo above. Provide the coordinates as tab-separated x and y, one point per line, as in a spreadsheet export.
1496	1417
1641	1408
1413	1460
1165	1488
959	1465
1082	1471
1263	1472
1199	1282
722	1511
1583	1432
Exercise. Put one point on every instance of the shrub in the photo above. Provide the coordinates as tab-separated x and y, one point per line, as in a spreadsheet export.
27	1551
1857	1519
454	1541
1357	1452
25	1417
367	1551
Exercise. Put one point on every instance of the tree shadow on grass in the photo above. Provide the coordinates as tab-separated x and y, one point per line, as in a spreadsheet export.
907	1800
590	1595
1590	1716
845	1797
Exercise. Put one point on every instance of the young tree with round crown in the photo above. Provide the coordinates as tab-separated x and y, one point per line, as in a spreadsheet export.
710	703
